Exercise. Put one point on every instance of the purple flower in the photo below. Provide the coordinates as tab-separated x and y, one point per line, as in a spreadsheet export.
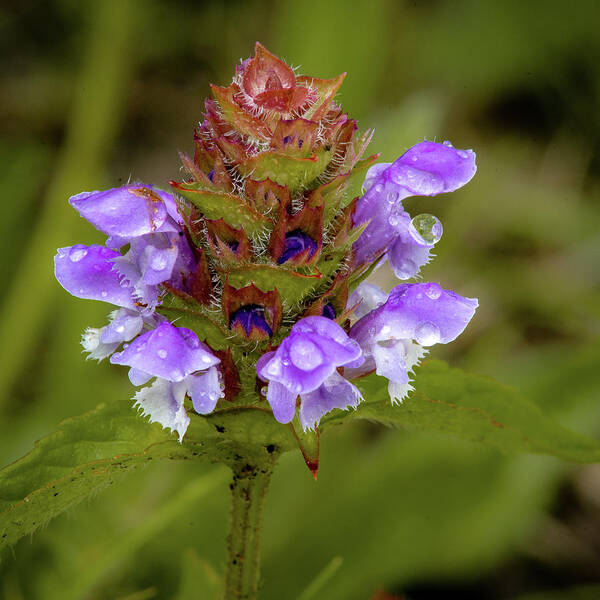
88	272
124	325
296	243
251	317
415	315
147	220
426	169
305	364
129	211
182	366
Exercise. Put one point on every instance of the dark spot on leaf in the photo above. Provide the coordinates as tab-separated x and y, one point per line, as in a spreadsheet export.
270	448
220	428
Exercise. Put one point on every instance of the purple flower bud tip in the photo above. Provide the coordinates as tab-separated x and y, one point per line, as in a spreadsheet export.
250	317
305	365
297	242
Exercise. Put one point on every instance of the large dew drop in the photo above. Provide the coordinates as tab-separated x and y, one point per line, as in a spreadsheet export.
426	228
427	333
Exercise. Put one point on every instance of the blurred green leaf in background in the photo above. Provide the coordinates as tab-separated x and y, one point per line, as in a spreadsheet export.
95	94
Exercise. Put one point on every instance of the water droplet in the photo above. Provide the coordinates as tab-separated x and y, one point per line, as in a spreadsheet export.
162	353
120	328
392	196
448	143
433	291
427	333
305	355
426	228
406	269
77	253
206	359
415	158
394	219
104	294
263	390
274	368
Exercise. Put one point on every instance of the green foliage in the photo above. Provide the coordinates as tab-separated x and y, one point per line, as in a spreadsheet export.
85	455
293	172
219	205
473	408
293	286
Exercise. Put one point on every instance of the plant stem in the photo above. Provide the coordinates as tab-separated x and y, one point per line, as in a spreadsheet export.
248	492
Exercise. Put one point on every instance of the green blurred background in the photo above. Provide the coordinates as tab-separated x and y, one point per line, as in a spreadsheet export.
97	93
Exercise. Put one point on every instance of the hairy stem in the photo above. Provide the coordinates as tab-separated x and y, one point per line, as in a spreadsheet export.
248	492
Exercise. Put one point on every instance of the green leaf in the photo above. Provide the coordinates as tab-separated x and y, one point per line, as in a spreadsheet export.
231	208
474	408
295	173
292	286
90	452
85	455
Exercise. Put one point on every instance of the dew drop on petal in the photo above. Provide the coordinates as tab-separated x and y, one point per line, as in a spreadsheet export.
406	269
274	368
77	253
426	228
104	294
162	353
427	333
206	359
394	219
392	196
305	355
433	291
120	328
448	143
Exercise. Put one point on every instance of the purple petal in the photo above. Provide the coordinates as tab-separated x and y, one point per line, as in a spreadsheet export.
335	392
407	255
125	212
124	326
366	297
390	361
420	311
163	403
91	342
315	347
88	272
138	377
426	169
169	352
205	390
282	401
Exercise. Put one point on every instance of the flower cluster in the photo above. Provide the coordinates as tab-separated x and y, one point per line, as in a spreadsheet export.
249	278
